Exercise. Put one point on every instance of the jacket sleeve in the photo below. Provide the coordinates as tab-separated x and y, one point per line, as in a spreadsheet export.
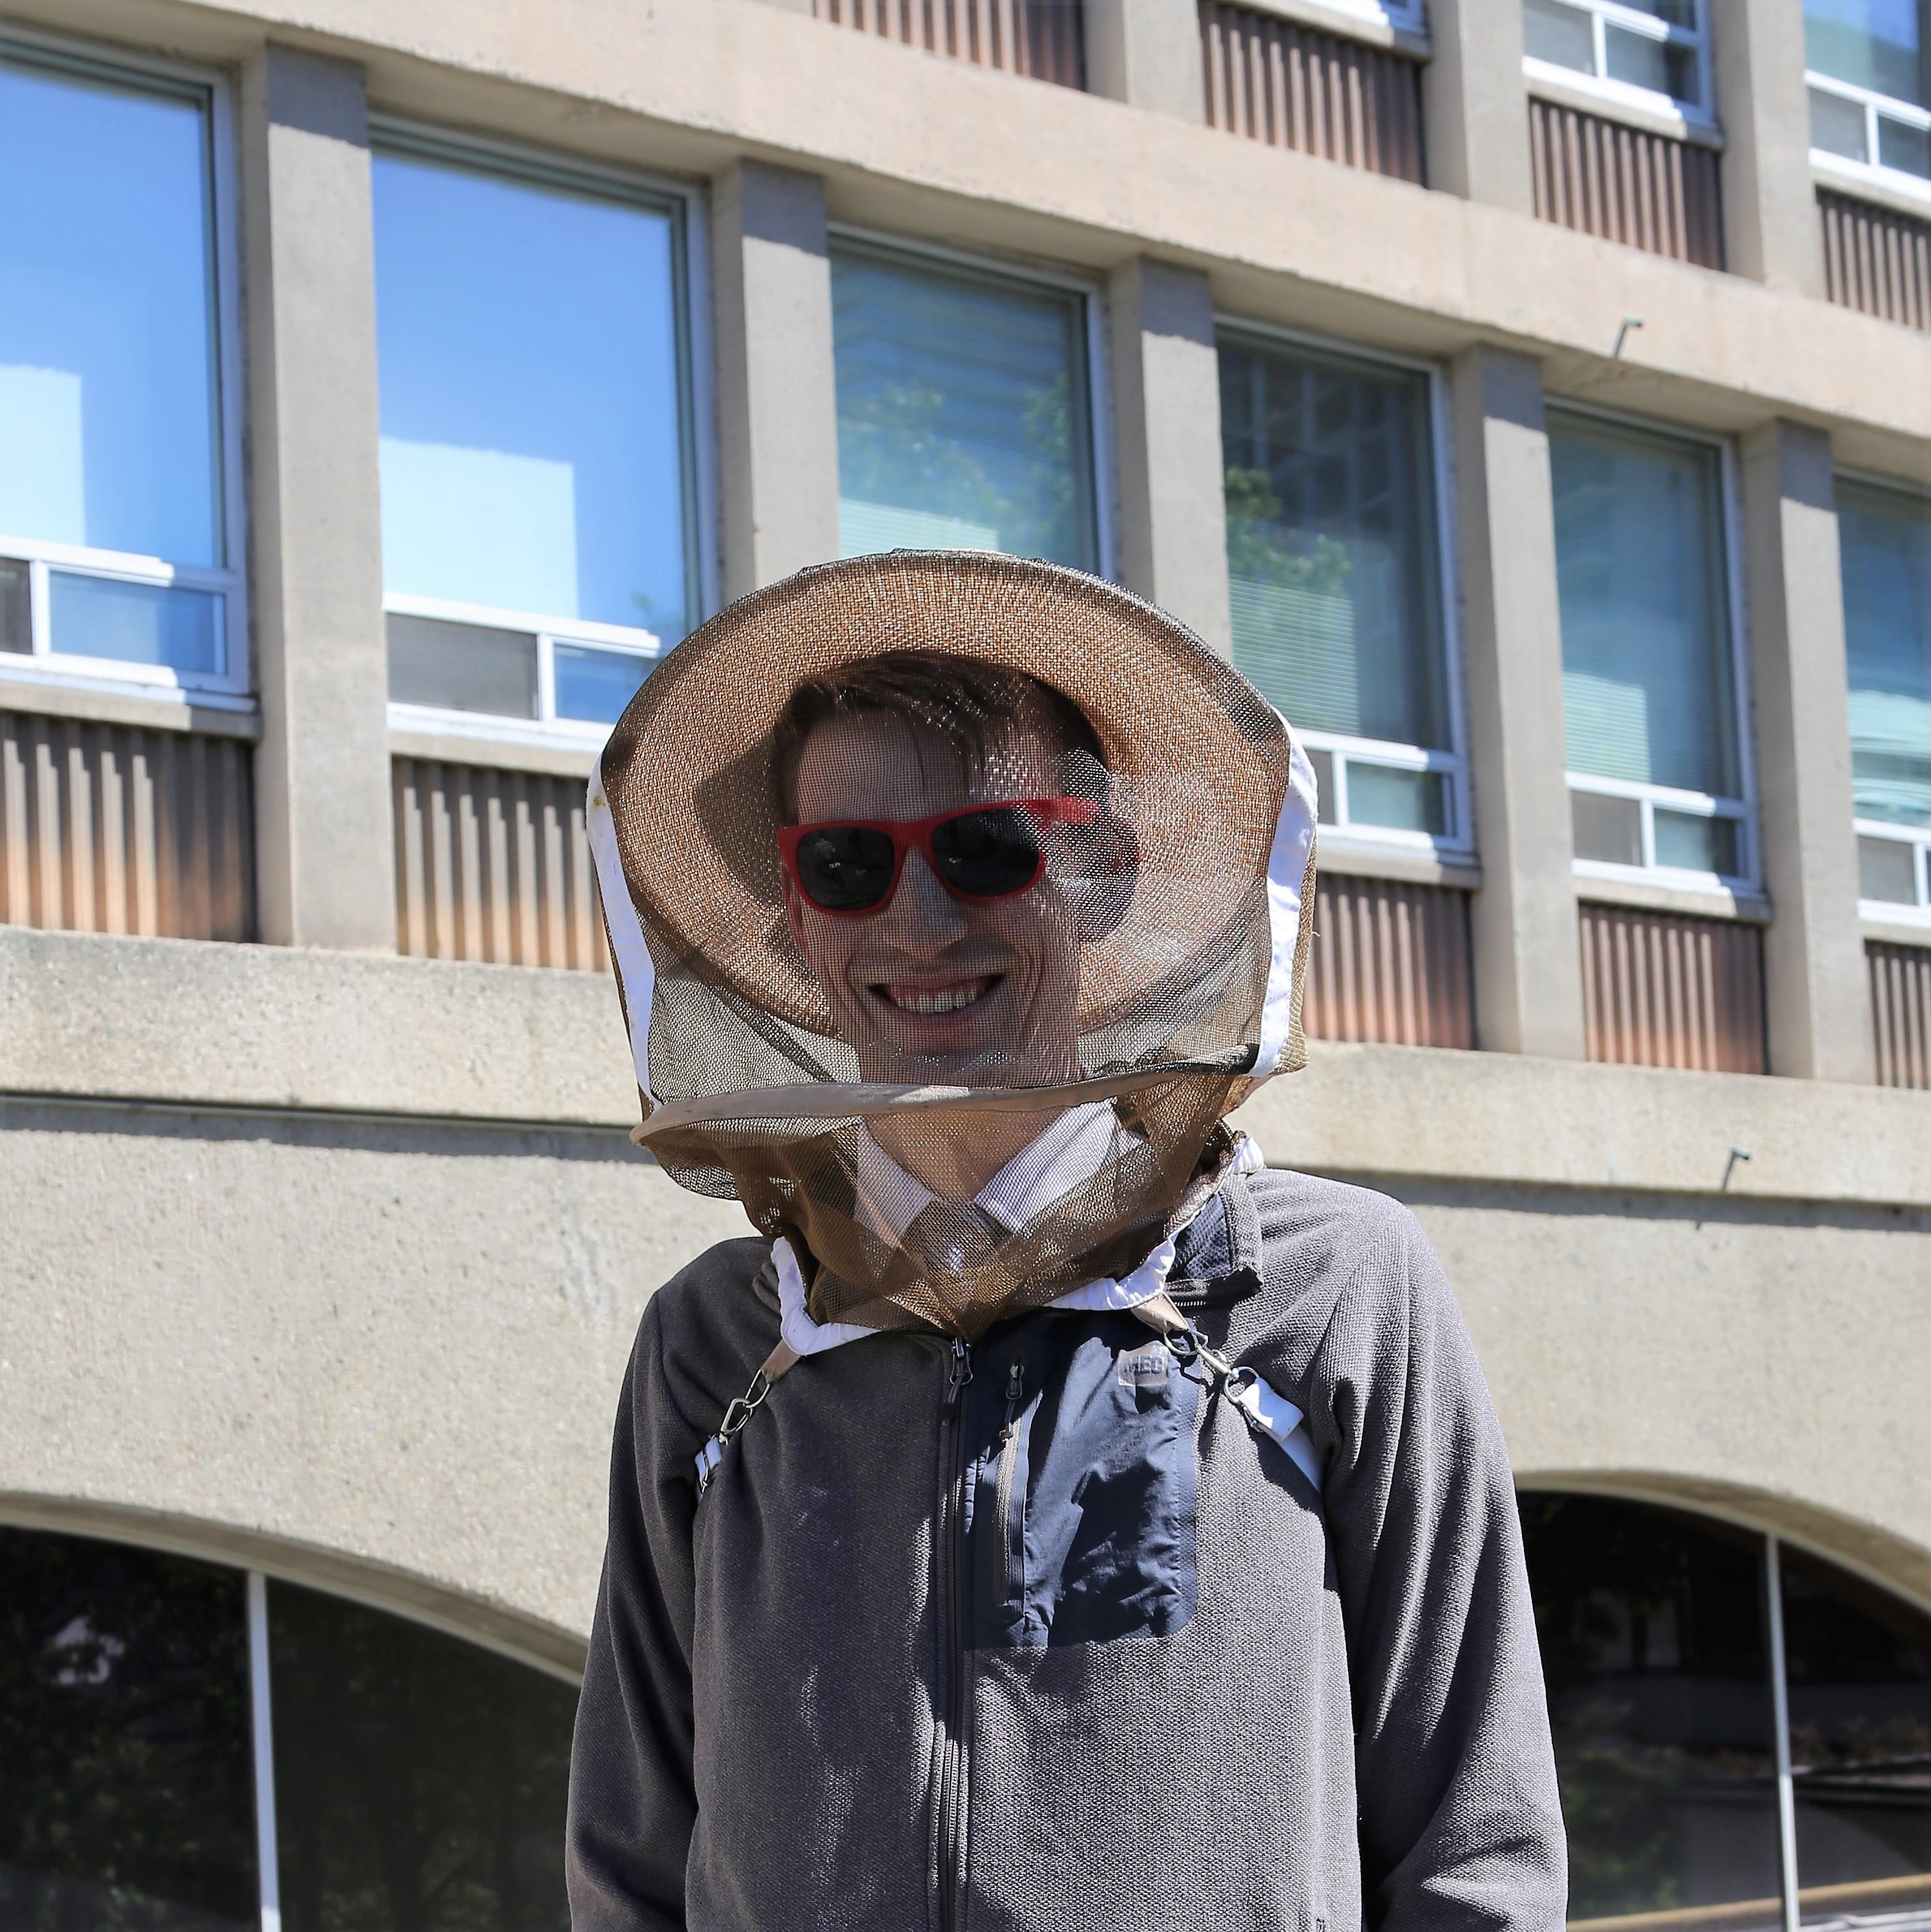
632	1802
1460	1820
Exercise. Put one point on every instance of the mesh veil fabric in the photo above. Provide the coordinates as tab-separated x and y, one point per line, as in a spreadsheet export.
1183	908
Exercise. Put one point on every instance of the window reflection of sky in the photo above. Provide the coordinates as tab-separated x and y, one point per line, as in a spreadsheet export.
531	449
108	432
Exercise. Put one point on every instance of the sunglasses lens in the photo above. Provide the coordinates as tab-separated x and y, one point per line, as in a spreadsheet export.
988	854
845	867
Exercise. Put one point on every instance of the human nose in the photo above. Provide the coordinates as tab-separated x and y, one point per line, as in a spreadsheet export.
923	916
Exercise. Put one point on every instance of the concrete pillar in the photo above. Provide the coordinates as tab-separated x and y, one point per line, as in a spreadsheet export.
1772	231
1166	413
778	425
1818	1003
1528	968
1147	53
324	841
1475	105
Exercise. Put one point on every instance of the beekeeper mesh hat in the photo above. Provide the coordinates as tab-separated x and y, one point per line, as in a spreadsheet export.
1189	987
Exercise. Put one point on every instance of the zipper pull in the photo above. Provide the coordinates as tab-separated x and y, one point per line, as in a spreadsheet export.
959	1369
1016	1393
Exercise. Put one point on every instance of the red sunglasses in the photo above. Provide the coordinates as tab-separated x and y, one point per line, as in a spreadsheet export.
850	866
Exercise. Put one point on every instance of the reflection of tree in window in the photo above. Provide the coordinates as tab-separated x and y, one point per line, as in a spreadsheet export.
1859	1662
1653	1647
126	1792
420	1781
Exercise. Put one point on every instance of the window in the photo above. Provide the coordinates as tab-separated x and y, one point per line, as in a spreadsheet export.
1333	555
965	410
1652	52
1884	540
1663	1637
1650	675
540	544
417	1780
120	521
1870	72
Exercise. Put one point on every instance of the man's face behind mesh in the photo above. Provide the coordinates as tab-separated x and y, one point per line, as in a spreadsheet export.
930	988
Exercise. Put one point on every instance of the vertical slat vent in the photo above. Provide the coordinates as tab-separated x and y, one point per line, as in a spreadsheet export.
1901	1012
1292	86
1877	260
493	866
112	828
1042	39
1390	962
1662	989
1626	185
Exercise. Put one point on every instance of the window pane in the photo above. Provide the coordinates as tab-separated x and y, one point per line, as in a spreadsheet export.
419	1780
1677	13
1653	1649
1875	43
1404	801
1645	643
531	442
596	686
1859	1670
1696	843
1330	544
1887	871
1655	64
1553	32
137	623
1884	540
127	1788
1837	125
462	666
1904	148
108	411
962	414
1609	830
16	627
1322	762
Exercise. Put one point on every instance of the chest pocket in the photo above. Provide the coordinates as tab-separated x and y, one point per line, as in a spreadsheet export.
1083	1501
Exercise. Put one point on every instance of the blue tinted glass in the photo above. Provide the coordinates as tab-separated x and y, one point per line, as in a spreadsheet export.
108	423
1330	549
1875	43
1645	646
531	441
961	414
138	623
1885	539
596	685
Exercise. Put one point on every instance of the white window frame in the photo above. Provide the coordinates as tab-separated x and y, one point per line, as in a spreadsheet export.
229	689
1405	18
1338	835
1747	881
410	138
1869	173
1603	14
1099	367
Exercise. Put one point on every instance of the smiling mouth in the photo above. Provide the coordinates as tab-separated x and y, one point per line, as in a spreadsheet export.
931	1000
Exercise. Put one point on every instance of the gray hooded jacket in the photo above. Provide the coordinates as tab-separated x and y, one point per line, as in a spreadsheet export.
1039	1634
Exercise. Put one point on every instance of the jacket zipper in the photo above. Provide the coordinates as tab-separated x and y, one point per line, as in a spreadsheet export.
1009	1460
951	1762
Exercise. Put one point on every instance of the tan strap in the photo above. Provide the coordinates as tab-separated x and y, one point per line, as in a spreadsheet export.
1161	1315
780	1361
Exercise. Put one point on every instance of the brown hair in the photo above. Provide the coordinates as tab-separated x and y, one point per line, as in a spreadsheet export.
968	702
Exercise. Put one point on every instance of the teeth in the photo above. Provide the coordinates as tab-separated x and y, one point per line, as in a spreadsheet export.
947	1000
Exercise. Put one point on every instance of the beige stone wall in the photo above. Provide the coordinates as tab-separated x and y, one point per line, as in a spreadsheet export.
351	1300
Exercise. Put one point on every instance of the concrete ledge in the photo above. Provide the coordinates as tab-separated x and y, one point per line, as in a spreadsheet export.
1390	1111
184	1021
179	1022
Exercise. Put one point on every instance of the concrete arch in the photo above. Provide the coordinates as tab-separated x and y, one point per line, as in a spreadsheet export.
511	1634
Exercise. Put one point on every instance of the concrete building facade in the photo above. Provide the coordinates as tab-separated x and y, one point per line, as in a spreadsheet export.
325	1242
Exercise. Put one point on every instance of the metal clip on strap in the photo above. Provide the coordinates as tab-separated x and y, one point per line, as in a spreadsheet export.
782	1358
